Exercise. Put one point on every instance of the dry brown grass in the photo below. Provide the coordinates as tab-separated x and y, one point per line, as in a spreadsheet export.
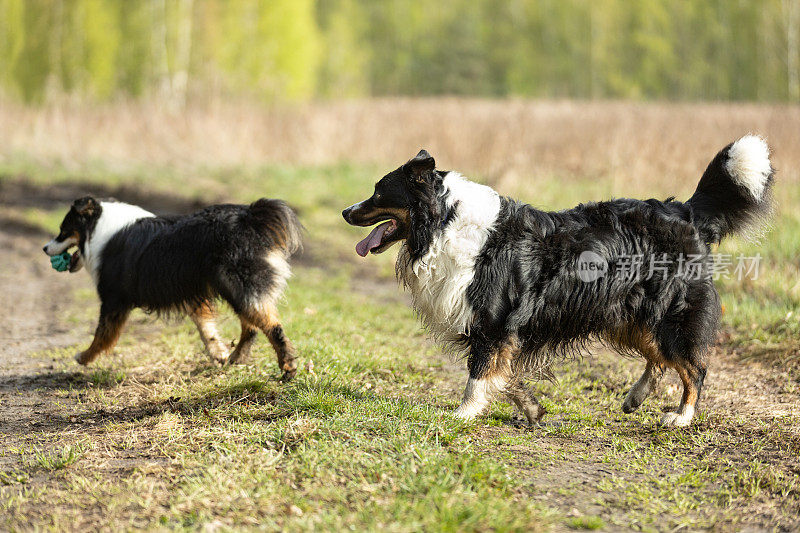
504	141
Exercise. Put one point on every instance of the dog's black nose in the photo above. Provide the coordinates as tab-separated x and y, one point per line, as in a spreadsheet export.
44	248
345	214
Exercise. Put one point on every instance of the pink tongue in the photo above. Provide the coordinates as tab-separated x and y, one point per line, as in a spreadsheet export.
373	240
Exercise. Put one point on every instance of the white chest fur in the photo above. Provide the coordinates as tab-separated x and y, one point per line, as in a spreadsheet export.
113	217
438	281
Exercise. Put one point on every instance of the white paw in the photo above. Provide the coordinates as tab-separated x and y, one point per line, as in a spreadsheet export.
465	413
220	360
219	352
668	419
678	420
477	396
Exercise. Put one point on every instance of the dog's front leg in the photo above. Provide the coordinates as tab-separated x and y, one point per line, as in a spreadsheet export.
489	374
109	327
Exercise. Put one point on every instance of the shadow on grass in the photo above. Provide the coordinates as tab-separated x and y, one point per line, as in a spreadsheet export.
283	401
14	226
16	191
60	380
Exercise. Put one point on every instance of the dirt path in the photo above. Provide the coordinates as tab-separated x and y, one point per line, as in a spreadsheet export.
34	392
32	399
33	297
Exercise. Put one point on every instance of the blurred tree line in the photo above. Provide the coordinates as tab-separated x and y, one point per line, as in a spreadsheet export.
300	49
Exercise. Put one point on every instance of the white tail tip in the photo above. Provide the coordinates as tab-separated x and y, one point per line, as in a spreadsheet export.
748	164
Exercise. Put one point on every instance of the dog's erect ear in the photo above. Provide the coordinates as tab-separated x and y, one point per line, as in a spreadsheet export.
421	165
86	206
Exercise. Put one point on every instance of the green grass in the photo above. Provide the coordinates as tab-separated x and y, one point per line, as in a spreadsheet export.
105	377
587	522
362	439
58	459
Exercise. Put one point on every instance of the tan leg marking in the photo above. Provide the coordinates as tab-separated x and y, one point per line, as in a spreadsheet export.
265	317
204	317
642	341
246	339
683	416
106	335
526	402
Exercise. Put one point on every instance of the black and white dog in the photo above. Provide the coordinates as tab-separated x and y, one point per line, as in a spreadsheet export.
182	264
504	282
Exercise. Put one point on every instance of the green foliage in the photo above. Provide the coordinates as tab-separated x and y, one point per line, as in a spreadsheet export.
344	63
102	40
270	47
299	49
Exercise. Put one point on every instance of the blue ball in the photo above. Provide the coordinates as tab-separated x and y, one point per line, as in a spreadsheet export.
60	262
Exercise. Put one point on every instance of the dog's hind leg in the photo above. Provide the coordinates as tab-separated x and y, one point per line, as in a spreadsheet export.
653	373
265	317
692	375
684	339
490	372
526	402
637	339
245	344
108	330
204	317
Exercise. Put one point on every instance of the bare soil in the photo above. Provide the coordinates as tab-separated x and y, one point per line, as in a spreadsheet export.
36	397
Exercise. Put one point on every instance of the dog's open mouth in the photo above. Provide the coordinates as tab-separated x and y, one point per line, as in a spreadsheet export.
377	237
75	262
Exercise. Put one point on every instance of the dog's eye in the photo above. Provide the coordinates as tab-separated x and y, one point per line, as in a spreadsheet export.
377	195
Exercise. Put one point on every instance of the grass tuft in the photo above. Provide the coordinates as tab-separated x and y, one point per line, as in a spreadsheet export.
58	459
587	522
105	377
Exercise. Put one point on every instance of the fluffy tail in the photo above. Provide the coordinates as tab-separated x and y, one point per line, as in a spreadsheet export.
280	220
735	193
